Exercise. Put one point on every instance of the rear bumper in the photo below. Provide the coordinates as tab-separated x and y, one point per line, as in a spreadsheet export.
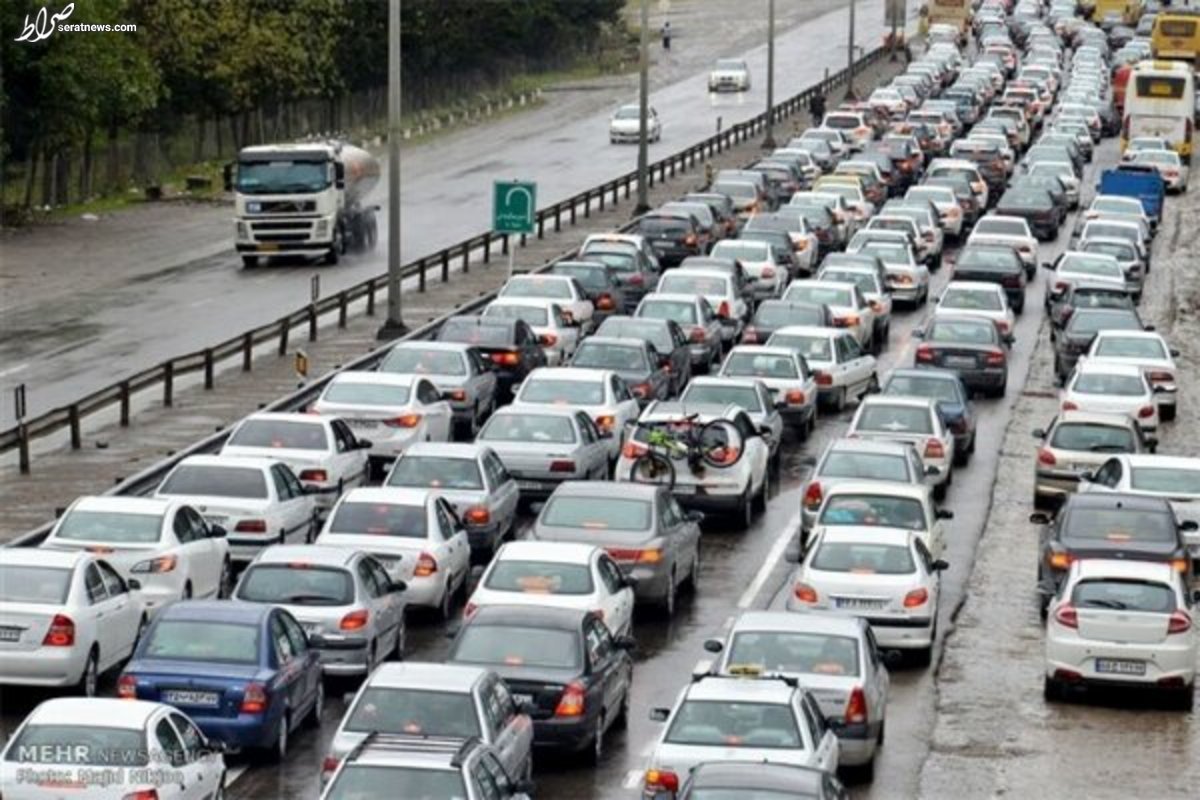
902	634
348	657
572	733
42	666
652	580
246	730
1162	661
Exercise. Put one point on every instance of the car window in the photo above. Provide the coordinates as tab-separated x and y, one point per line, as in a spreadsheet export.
199	526
610	574
183	528
501	474
381	576
488	790
369	580
495	769
282	487
168	741
113	583
446	520
587	428
599	643
282	642
345	439
493	713
1110	474
810	720
189	734
292	481
94	584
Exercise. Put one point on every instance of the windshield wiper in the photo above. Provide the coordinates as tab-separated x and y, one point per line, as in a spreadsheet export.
1107	448
304	599
1115	605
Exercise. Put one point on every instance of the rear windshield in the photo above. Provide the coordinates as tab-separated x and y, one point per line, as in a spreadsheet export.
597	513
1104	268
842	121
743	396
471	331
657	334
895	419
988	258
731	725
869	466
549	390
532	315
1124	595
1095	438
1120	525
417	712
759	365
38	585
972	299
240	482
806	653
610	356
619	261
296	584
537	287
1088	321
748	251
874	510
435	362
864	282
820	295
1168	481
193	640
434	472
917	386
1115	347
863	558
527	427
1003	227
379	519
887	252
1107	383
281	434
777	315
658	226
540	577
518	646
588	277
79	745
110	526
365	394
682	283
1118	250
961	332
681	311
813	348
358	781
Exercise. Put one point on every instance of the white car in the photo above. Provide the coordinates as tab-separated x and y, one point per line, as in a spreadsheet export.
718	289
842	369
258	501
322	451
873	288
1122	622
1169	165
950	213
135	749
1147	350
909	419
66	618
1105	387
1074	266
729	74
1011	231
758	259
163	544
888	577
626	125
884	505
557	575
1128	258
783	370
600	393
977	299
561	289
851	124
415	535
461	373
907	277
847	305
556	334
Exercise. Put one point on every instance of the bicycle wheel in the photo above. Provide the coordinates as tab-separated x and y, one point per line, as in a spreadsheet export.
721	443
652	467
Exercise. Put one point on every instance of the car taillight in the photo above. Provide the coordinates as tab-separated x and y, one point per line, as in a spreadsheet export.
405	421
605	302
995	359
848	321
723	310
814	495
768	272
141	794
724	456
916	598
1067	616
641	389
662	780
690	240
1181	565
1011	281
155	566
506	359
1046	457
548	339
127	687
330	765
697	335
1069	405
637	279
251	526
1179	623
562	466
934	449
924	353
426	566
1145	412
477	515
314	475
804	593
355	620
254	699
856	707
1158	376
795	397
823	378
605	422
573	701
749	336
632	449
1060	561
61	632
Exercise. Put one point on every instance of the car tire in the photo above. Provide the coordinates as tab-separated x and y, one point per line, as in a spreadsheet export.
693	579
1166	413
939	491
279	750
839	402
446	607
1052	690
622	720
89	679
961	457
669	600
187	591
595	752
249	262
225	580
397	652
313	720
1182	699
745	510
760	499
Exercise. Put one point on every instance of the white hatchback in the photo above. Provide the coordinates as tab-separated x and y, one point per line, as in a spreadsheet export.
393	409
915	420
1102	387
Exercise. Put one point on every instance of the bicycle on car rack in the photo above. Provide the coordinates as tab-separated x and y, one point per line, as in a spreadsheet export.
717	443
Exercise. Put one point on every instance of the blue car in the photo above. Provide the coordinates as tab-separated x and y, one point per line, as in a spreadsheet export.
244	672
953	401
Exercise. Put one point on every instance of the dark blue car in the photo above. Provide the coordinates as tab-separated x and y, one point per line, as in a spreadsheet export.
953	401
243	671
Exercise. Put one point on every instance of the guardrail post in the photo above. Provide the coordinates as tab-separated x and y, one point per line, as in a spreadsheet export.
124	398
73	421
371	298
662	170
504	245
342	309
573	202
446	265
557	217
600	194
523	240
628	181
614	194
208	368
23	448
168	383
285	325
421	276
541	221
466	265
487	246
672	168
312	323
587	204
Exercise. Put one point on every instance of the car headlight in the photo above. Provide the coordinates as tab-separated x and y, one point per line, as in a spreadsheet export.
243	231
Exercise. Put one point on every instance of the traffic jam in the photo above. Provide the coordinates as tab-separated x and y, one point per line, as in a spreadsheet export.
538	481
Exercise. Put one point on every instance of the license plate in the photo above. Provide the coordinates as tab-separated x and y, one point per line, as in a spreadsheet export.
530	485
182	697
523	698
959	361
1118	666
268	248
10	634
857	603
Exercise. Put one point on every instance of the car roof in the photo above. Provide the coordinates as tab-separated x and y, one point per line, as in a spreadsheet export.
1108	367
676	297
577	374
150	506
975	286
42	557
554	552
1156	460
622	341
809	330
744	381
1113	568
101	712
605	489
1119	500
216	611
389	495
868	534
464	450
428	344
758	690
314	554
528	302
914	491
700	270
536	410
1094	418
232	462
792	622
289	416
534	616
762	349
377	378
903	400
880	446
439	677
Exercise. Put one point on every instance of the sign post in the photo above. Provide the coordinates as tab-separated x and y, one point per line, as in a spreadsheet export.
514	206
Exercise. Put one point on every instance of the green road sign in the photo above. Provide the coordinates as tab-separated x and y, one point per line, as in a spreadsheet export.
514	204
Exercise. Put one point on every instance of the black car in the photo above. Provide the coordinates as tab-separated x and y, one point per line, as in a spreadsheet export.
1108	525
599	283
771	315
636	271
953	401
563	664
726	779
994	263
635	360
510	345
674	236
669	341
1051	183
774	234
1087	295
1076	337
1037	207
970	346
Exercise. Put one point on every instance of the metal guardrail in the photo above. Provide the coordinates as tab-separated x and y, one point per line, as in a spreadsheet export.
243	345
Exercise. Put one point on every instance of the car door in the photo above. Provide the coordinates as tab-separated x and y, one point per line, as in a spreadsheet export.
878	681
593	451
627	408
937	531
505	735
436	410
616	596
859	365
349	460
287	513
825	747
481	381
602	657
388	606
568	335
202	771
454	540
866	317
184	781
300	507
774	420
122	614
289	675
503	493
687	531
100	609
308	658
200	552
681	358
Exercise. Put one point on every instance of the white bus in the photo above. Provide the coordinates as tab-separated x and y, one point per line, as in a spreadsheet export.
1160	100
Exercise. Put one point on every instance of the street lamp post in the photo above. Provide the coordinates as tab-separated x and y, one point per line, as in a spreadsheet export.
769	139
394	327
850	94
643	202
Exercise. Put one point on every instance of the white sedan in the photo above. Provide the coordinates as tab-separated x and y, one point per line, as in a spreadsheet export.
1169	165
163	544
415	535
977	299
557	575
718	289
626	125
561	289
258	501
872	285
599	393
1121	622
556	334
1101	387
881	505
1147	350
915	420
885	576
758	259
1005	230
137	750
783	370
66	618
843	371
846	303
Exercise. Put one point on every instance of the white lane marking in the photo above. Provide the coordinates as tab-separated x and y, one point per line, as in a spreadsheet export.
777	549
232	775
633	779
11	370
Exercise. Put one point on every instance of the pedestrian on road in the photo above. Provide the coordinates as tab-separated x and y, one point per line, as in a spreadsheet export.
666	35
816	107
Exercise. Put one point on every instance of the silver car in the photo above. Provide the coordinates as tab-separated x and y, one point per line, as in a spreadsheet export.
642	527
344	596
1077	442
436	700
696	317
542	446
459	372
473	480
750	393
854	460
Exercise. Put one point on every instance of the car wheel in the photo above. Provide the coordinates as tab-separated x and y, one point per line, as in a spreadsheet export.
745	511
1166	413
760	499
314	528
225	582
596	751
839	402
622	720
280	750
89	679
961	457
668	601
694	576
1183	699
939	491
187	591
1002	389
446	607
1052	691
313	720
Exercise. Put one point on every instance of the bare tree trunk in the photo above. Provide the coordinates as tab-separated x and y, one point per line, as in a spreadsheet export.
62	177
47	176
258	123
113	176
235	131
198	144
85	167
141	169
31	163
220	137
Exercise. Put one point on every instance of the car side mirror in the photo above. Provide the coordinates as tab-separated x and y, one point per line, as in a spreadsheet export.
397	586
1088	476
452	631
133	584
939	565
1039	518
1039	433
714	645
626	643
606	434
316	641
629	582
339	174
779	406
659	714
216	532
536	508
1048	265
1159	388
694	516
944	513
364	444
664	361
1009	339
917	333
765	431
1189	525
526	786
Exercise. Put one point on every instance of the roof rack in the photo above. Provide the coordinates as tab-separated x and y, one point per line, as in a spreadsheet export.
457	746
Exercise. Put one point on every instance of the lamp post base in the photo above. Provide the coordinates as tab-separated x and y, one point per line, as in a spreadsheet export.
390	331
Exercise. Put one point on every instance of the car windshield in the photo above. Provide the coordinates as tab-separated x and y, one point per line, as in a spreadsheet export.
759	365
597	513
813	348
1093	437
680	311
864	281
416	712
874	511
537	286
1101	267
792	653
1091	320
1120	250
79	745
534	316
942	389
744	396
961	332
683	283
277	433
727	724
1109	383
284	176
972	299
621	357
655	332
895	419
379	519
526	427
196	640
21	583
562	392
866	466
1119	594
362	782
1120	525
365	394
435	472
518	646
423	362
246	483
863	558
1175	480
109	526
820	295
298	583
540	577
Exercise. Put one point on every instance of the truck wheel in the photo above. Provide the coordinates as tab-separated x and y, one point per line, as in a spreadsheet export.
249	262
338	247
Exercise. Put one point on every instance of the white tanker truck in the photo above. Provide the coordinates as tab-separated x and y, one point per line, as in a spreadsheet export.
306	199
